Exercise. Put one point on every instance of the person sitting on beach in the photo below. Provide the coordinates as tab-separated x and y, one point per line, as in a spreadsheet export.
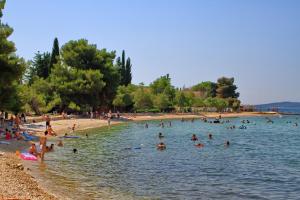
8	135
161	146
160	136
60	143
51	131
194	137
199	145
18	136
210	136
32	150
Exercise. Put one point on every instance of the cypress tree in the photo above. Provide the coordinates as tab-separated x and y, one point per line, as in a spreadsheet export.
128	75
11	67
124	69
54	54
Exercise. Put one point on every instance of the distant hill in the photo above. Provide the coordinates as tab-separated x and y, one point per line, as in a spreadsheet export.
286	107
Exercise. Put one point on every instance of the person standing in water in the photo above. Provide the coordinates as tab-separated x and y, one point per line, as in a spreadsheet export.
43	142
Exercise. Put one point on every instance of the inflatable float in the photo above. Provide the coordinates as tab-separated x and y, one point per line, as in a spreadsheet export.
28	156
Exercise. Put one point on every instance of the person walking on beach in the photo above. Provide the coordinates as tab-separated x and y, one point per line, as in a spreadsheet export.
2	116
47	121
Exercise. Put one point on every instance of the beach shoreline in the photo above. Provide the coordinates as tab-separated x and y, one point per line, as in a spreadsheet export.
61	127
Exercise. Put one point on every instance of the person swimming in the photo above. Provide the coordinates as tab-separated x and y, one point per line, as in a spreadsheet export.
194	137
50	148
60	143
199	145
227	143
160	136
210	136
161	146
75	151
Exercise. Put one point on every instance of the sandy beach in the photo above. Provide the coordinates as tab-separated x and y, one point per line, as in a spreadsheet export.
16	181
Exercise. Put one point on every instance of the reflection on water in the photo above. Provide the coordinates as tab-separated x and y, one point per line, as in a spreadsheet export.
262	162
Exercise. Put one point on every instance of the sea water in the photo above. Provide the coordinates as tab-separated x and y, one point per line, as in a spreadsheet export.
262	161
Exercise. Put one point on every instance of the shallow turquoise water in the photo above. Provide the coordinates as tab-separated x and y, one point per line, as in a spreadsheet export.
262	162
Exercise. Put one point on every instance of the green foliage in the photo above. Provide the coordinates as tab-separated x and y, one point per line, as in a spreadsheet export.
163	85
198	102
79	86
226	88
207	89
11	67
40	66
161	101
124	67
124	97
38	97
143	99
234	103
81	55
183	100
54	55
151	110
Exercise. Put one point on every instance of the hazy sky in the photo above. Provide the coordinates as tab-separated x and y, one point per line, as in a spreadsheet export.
256	42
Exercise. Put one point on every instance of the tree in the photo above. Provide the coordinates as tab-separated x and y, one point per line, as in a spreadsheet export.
11	67
40	66
77	86
54	54
81	55
38	97
163	85
124	69
226	88
161	102
142	99
128	75
233	103
124	97
182	100
207	89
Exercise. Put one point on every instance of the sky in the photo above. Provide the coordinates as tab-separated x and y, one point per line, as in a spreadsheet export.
256	41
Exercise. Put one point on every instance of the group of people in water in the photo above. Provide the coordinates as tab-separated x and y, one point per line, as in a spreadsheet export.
194	138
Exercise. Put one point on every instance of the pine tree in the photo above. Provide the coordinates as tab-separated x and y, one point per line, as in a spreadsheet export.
54	54
11	67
